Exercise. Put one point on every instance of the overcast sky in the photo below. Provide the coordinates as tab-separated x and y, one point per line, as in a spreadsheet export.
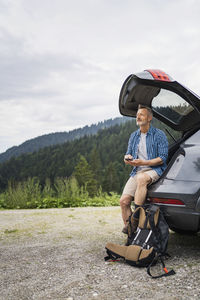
63	62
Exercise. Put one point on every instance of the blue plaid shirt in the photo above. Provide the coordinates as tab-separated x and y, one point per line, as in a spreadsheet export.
157	146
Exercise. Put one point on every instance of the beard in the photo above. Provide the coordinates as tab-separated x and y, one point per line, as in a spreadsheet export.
141	123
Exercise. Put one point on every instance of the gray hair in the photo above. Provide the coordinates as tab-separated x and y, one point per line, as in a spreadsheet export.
140	106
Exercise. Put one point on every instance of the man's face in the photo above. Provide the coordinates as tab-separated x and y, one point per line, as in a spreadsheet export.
143	117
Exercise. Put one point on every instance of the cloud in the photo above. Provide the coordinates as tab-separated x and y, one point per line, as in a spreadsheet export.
24	74
63	62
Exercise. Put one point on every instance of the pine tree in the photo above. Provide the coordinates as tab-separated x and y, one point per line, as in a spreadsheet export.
95	164
111	180
85	176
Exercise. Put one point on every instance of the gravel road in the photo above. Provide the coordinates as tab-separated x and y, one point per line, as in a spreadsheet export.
59	254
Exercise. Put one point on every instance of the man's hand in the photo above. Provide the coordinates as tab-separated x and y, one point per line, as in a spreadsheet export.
127	159
138	162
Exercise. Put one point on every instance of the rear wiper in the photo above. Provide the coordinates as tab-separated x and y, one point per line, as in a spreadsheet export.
170	134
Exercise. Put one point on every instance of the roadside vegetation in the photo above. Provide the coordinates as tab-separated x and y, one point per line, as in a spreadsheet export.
63	193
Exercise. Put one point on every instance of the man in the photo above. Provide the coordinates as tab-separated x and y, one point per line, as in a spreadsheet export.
147	152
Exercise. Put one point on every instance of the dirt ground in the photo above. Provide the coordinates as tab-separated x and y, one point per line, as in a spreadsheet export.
59	254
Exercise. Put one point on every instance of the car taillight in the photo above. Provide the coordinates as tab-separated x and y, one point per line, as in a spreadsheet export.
166	201
159	75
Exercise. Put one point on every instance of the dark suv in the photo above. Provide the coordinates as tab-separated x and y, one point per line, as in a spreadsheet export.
178	189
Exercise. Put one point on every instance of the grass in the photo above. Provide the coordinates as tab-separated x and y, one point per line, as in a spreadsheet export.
8	231
71	216
66	193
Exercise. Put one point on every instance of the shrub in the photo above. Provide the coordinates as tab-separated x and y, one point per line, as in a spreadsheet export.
23	194
65	193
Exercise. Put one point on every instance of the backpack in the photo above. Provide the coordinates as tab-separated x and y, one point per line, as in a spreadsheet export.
147	240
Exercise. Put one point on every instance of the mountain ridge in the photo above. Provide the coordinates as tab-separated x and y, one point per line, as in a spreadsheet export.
56	138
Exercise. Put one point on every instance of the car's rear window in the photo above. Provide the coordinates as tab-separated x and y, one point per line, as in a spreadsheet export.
171	105
172	135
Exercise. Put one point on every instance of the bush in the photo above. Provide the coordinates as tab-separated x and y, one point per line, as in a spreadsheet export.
64	193
103	199
23	195
2	201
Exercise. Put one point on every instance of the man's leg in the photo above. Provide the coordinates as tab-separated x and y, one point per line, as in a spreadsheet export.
127	197
143	180
125	203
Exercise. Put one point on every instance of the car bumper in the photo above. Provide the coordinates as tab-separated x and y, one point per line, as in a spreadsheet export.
181	218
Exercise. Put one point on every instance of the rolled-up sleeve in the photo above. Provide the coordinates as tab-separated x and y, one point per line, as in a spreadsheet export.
162	146
130	142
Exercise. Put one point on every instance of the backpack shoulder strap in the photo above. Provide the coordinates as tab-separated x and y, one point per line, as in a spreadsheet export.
142	217
153	220
166	272
153	213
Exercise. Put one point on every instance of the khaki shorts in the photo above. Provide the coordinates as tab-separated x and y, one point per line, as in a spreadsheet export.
131	184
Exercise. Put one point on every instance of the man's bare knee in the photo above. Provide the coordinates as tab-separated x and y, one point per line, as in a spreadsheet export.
125	200
143	179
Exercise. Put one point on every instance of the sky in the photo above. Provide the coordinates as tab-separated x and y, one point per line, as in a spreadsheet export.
62	63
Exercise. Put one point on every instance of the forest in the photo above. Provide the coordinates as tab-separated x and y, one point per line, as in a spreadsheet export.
56	138
85	171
